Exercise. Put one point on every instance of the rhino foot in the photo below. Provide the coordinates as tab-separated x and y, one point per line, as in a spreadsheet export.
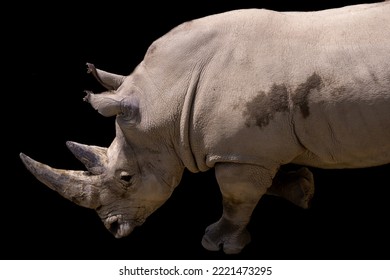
306	182
226	236
295	186
304	188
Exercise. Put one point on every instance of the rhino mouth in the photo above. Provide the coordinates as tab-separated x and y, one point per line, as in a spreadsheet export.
118	226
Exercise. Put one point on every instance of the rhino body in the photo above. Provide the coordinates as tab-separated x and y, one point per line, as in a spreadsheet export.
244	92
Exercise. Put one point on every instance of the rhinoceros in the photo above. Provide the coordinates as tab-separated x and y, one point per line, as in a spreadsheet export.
245	92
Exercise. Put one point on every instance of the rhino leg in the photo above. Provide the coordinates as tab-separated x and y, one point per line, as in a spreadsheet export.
295	186
241	186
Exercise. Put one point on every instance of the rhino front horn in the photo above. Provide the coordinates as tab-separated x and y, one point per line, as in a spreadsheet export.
73	185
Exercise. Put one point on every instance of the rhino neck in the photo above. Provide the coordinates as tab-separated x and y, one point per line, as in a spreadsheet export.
167	113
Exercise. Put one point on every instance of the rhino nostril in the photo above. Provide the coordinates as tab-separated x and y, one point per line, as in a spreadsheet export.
114	227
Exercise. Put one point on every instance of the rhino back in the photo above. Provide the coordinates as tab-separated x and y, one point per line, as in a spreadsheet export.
344	122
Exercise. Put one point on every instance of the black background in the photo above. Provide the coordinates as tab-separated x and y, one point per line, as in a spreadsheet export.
46	48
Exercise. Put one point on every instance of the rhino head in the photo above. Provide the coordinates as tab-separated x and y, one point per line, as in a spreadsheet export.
125	182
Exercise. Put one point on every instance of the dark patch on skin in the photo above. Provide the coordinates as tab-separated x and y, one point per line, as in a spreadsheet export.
374	77
262	108
301	94
339	91
152	49
188	24
184	27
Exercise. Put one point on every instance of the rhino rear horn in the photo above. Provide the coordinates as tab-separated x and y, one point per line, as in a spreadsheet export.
73	185
93	157
108	80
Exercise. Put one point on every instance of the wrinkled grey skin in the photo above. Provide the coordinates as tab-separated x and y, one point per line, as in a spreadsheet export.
243	92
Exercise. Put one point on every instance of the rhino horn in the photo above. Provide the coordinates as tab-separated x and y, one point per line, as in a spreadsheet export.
73	185
93	157
108	80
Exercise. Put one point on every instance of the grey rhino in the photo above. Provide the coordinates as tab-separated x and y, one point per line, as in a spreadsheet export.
244	92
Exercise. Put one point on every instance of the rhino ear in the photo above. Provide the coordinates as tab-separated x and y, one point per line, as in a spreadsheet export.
108	80
107	104
130	110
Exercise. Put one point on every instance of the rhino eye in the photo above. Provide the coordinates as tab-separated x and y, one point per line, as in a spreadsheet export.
126	177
